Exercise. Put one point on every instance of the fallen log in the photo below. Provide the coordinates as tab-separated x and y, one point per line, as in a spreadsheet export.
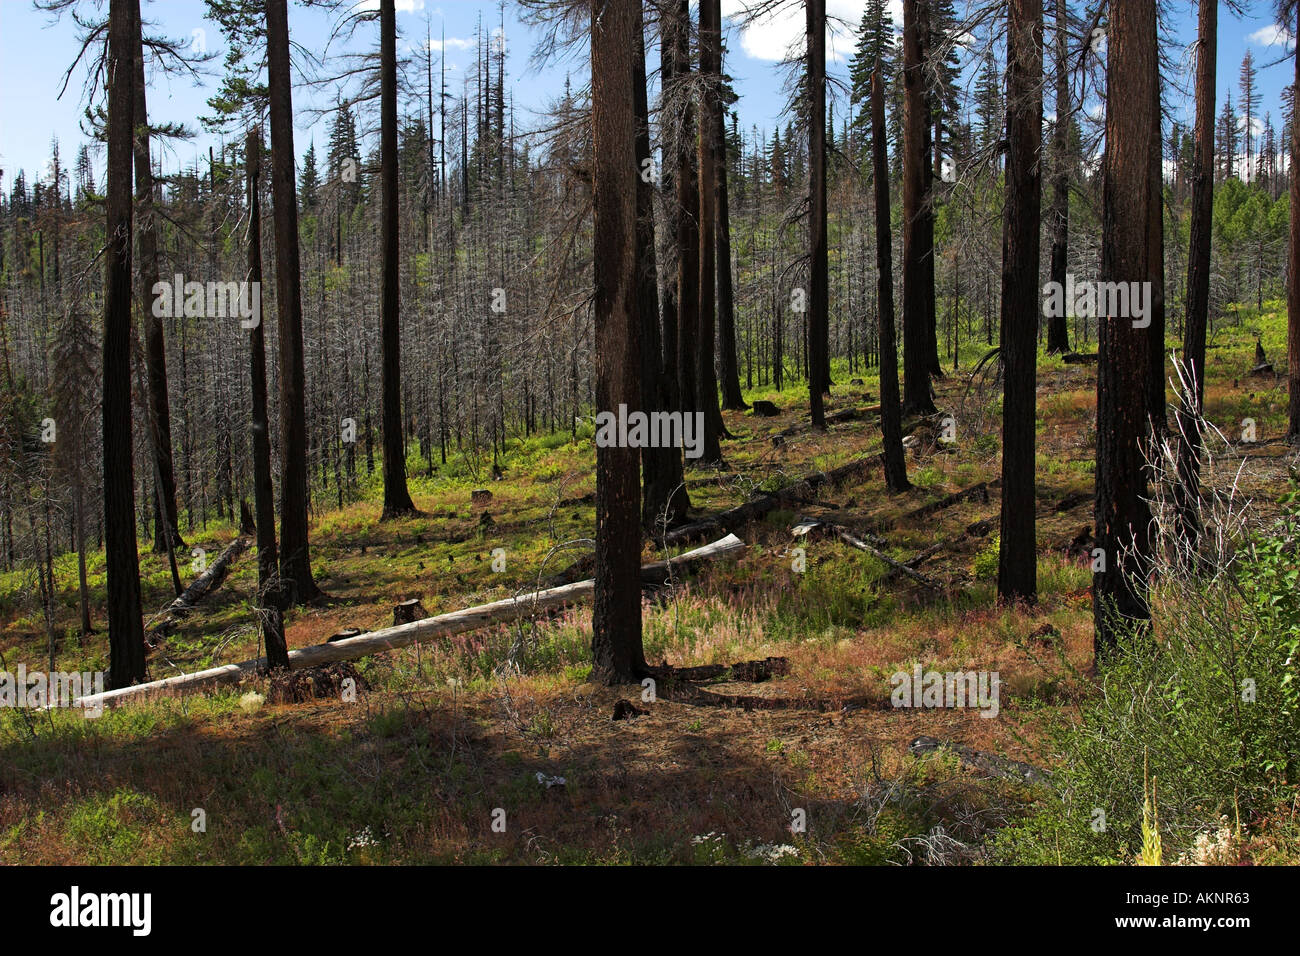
392	638
741	515
990	763
844	415
200	587
851	539
980	491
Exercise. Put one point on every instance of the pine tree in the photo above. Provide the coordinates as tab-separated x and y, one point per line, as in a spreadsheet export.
875	45
309	180
1226	144
1250	99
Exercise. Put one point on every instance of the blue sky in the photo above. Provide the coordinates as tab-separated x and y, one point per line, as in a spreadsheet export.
35	53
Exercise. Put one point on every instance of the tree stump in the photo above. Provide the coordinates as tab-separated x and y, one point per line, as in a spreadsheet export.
479	497
344	634
766	409
407	611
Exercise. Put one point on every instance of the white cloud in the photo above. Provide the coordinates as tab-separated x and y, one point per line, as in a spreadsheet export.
780	34
451	43
402	6
1275	35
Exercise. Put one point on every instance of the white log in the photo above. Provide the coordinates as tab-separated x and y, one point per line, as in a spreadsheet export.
392	638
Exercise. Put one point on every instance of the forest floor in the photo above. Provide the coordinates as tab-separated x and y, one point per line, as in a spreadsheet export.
445	740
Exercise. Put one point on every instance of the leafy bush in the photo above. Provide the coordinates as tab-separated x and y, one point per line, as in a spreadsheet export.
1207	698
986	560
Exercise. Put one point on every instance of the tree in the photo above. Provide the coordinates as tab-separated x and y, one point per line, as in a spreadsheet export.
268	592
686	178
918	226
1227	136
1187	492
397	499
1058	329
1250	100
295	559
706	380
891	427
1290	13
167	537
818	293
617	654
664	499
125	628
728	367
875	45
1018	547
1124	366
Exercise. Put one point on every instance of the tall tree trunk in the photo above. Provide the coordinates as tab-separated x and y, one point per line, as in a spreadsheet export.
397	499
295	559
819	292
668	186
686	176
125	628
1187	493
706	377
83	587
728	368
1058	326
617	655
270	600
664	500
1124	364
891	427
1293	268
166	531
1018	548
1157	403
918	302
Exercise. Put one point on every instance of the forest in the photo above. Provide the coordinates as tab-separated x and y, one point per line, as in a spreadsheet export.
416	461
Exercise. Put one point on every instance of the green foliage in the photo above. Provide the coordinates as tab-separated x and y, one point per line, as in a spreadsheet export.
985	567
1207	700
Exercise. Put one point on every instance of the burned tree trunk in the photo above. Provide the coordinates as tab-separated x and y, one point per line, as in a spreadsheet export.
617	655
918	233
295	559
706	379
891	426
269	599
819	292
1058	326
1187	493
664	499
1018	550
125	628
166	531
1124	368
397	499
